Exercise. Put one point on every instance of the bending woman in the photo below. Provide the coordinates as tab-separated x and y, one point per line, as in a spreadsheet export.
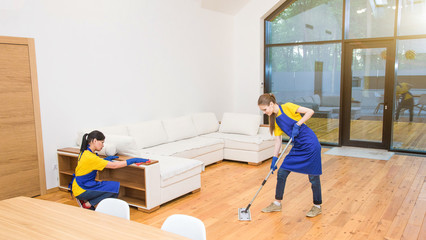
305	155
84	186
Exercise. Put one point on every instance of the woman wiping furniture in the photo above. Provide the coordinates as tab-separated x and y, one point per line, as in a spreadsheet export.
305	155
84	186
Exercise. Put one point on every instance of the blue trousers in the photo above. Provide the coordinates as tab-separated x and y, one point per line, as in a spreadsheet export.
94	197
315	185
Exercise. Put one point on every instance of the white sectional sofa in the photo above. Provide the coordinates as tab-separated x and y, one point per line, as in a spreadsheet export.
184	145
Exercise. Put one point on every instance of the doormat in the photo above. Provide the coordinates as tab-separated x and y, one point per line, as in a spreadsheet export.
370	153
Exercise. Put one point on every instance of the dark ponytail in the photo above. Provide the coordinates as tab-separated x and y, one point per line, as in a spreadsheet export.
266	99
89	137
83	145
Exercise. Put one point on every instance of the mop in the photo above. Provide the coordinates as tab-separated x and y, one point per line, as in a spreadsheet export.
244	213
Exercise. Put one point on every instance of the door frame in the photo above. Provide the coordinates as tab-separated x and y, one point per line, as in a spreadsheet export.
346	92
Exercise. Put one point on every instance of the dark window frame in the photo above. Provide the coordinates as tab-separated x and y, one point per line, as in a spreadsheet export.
344	41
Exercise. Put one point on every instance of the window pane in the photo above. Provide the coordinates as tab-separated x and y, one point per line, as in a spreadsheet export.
309	75
371	19
409	127
306	20
368	84
413	17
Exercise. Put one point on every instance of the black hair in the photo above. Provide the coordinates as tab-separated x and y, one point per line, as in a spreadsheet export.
88	137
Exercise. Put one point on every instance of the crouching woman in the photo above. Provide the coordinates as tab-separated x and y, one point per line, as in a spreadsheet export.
84	186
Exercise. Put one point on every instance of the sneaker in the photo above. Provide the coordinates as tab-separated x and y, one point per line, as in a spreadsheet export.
315	211
272	208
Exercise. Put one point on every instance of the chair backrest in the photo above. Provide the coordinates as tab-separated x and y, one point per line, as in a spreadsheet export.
184	225
115	207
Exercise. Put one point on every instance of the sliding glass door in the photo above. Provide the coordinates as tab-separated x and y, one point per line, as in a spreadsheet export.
367	94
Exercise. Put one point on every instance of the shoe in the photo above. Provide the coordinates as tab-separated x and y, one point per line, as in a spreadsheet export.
272	208
315	211
83	205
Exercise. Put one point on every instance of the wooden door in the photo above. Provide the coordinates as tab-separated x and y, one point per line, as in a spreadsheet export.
21	150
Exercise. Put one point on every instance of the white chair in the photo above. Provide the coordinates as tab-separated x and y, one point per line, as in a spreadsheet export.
115	207
184	225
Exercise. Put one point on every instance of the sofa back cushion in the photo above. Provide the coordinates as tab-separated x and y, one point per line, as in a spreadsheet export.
115	130
117	144
330	101
109	149
308	99
205	122
125	145
148	133
179	128
317	99
240	123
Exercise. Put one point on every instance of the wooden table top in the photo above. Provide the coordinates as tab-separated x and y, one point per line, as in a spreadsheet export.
120	157
29	218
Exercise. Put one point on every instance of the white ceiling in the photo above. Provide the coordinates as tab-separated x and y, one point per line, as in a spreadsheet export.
225	6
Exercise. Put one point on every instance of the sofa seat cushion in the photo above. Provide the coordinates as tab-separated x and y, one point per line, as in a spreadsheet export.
175	168
244	142
201	151
195	145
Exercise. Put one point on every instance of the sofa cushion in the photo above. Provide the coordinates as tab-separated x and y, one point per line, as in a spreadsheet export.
171	166
253	144
148	133
176	147
125	145
179	128
330	101
109	149
310	105
308	99
240	123
256	139
115	130
317	99
205	122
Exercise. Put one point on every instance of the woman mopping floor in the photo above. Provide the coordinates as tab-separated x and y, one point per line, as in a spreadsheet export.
305	155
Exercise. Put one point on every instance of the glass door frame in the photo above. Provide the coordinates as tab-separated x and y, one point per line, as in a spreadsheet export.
346	92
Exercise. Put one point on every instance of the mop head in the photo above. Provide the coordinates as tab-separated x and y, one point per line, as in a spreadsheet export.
243	215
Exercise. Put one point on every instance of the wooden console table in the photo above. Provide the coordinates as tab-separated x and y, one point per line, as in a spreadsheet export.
139	185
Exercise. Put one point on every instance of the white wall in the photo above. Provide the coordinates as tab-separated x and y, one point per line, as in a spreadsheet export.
103	62
248	53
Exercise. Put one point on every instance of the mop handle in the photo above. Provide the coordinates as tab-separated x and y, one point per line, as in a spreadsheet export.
270	172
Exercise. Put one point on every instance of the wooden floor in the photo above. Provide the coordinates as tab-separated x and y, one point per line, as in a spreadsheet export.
406	135
362	199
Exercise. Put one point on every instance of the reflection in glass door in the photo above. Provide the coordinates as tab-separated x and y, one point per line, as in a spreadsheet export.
366	112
